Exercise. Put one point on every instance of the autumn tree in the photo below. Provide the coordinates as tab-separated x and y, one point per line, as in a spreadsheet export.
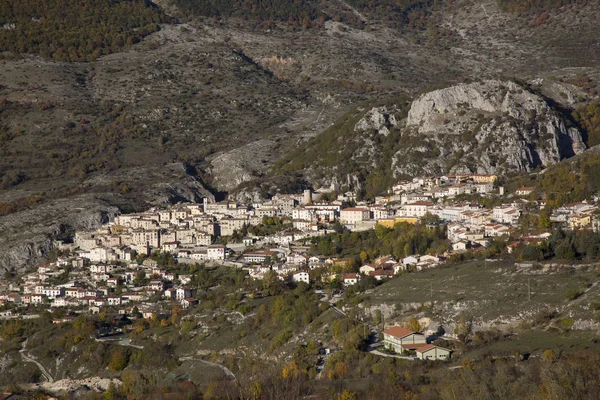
413	324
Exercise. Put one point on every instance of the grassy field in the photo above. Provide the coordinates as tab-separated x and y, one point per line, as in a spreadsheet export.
536	342
492	292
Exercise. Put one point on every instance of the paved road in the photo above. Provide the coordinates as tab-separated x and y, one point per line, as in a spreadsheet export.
222	367
379	353
40	366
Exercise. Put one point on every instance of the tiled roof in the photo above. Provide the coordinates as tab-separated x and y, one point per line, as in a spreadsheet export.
398	331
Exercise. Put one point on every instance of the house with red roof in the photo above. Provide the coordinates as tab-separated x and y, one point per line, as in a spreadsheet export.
432	352
350	279
399	339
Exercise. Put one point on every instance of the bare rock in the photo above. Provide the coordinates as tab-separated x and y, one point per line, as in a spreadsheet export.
486	127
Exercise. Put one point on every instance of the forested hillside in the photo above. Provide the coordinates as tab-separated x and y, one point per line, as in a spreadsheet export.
412	13
282	10
73	30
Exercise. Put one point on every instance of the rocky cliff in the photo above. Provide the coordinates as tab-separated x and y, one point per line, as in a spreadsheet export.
491	126
28	235
487	127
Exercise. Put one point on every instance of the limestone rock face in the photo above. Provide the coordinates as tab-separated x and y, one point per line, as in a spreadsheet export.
486	127
232	168
379	119
28	235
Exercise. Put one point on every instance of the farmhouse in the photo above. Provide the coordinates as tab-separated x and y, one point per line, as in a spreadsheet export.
399	339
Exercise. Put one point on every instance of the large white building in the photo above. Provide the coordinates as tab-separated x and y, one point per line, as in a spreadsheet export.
416	209
354	215
506	215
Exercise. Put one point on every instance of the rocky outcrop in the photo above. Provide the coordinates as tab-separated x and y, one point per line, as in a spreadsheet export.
28	235
492	126
162	185
74	387
232	168
486	127
380	119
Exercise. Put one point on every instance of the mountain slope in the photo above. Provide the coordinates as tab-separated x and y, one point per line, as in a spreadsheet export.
225	98
484	127
73	30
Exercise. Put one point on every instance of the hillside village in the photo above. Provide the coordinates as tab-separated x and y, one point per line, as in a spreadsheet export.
111	268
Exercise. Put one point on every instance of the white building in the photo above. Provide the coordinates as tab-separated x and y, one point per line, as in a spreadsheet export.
354	215
301	277
506	215
417	209
216	252
350	279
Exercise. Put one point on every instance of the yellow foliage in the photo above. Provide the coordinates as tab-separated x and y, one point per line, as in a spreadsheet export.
341	369
413	324
290	370
347	395
256	390
548	355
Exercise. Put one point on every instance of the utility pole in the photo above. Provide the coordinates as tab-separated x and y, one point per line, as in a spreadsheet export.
529	289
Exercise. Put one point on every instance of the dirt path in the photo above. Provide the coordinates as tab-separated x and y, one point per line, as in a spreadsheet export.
354	10
27	358
222	367
120	342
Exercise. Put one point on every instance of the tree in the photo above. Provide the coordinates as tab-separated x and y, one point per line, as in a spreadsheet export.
119	360
565	251
312	348
290	370
136	312
271	283
256	390
413	324
548	355
463	327
377	317
363	257
531	253
176	315
347	395
112	393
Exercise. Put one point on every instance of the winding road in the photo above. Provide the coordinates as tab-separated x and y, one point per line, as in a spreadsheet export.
43	370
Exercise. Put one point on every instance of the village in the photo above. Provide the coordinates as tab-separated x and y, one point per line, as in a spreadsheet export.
111	267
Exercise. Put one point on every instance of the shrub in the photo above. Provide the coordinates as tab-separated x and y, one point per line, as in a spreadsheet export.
574	293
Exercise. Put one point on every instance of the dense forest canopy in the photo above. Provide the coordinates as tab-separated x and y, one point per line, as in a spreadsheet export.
74	30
